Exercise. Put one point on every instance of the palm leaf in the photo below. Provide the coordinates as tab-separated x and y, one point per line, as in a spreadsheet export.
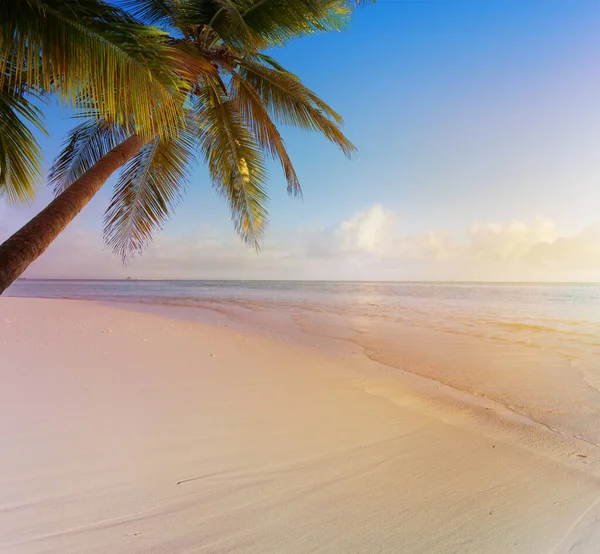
289	102
250	105
93	55
190	63
234	159
83	147
216	20
257	24
150	186
269	60
20	153
278	21
161	12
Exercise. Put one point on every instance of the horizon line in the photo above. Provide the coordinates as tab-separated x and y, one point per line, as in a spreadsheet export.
406	281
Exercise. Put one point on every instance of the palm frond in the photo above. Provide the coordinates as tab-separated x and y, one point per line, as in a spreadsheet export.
20	153
278	21
289	102
250	105
217	20
269	60
234	159
92	54
150	186
154	12
258	24
234	24
191	63
83	147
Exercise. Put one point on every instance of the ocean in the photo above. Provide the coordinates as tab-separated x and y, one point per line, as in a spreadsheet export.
535	348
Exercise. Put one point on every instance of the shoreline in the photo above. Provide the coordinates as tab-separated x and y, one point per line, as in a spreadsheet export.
371	408
539	373
440	398
441	395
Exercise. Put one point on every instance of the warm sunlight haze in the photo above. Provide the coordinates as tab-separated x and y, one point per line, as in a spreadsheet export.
477	128
299	276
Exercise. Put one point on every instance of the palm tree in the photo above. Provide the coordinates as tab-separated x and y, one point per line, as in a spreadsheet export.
235	97
76	50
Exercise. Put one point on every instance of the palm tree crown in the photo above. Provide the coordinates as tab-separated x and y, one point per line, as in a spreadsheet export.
90	55
157	83
236	97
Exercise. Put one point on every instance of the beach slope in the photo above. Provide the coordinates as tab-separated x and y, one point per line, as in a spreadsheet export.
130	432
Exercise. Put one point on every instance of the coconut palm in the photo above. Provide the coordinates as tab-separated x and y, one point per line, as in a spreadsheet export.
20	154
236	97
76	50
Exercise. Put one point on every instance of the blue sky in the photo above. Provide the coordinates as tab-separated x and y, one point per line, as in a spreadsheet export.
478	130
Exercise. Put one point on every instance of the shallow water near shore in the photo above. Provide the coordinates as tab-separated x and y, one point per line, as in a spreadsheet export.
535	348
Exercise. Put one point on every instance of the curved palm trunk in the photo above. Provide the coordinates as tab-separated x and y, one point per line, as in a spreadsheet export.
29	242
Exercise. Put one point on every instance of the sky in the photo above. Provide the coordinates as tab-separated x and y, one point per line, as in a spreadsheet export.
477	124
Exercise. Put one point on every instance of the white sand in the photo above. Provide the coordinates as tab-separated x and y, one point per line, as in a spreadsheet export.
127	432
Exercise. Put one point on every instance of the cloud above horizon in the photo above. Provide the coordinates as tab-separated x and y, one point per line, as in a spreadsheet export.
367	245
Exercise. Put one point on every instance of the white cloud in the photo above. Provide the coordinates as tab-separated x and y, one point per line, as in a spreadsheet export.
367	245
514	250
369	232
577	252
509	242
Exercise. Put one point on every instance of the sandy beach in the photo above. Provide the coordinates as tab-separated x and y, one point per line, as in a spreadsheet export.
126	431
